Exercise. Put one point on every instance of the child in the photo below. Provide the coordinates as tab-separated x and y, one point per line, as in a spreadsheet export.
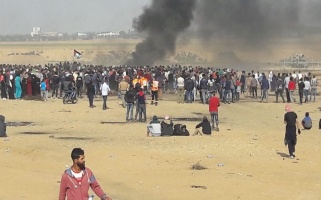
43	88
307	122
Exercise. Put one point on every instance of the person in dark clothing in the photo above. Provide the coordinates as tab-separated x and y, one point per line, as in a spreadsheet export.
24	86
3	127
167	126
3	86
79	85
307	122
264	88
11	87
206	127
55	85
130	97
203	88
141	102
189	86
35	86
279	90
243	81
91	94
290	119
301	86
61	80
180	130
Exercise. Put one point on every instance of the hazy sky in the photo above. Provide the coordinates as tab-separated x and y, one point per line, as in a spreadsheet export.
19	16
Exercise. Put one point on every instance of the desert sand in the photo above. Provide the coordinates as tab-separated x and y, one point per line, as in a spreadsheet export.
219	53
129	165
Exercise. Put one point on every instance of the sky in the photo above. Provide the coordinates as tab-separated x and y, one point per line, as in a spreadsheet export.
72	16
68	16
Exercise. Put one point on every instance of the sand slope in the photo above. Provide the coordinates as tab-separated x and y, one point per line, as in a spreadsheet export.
130	165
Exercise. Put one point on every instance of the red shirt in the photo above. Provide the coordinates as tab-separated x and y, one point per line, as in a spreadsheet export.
291	85
214	103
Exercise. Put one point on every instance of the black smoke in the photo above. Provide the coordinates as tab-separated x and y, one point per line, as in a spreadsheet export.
251	20
163	21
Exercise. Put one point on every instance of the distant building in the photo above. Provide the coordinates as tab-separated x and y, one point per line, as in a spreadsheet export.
50	34
82	34
108	34
35	31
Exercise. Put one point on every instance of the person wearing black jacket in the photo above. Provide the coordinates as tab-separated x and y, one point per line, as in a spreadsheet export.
203	88
130	98
55	85
301	87
79	85
167	127
91	94
189	86
206	127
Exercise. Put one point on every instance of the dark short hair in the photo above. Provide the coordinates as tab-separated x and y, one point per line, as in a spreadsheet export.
307	114
76	153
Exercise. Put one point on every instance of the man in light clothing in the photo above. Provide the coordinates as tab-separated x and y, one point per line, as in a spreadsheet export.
104	88
314	85
123	88
306	89
181	89
154	127
286	86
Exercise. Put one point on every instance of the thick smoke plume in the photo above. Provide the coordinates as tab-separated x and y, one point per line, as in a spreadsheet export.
162	21
251	20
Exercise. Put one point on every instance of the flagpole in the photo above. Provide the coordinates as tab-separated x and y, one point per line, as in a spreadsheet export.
73	60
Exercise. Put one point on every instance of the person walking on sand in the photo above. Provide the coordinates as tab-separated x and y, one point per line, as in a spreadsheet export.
123	88
104	89
301	86
77	179
314	84
279	90
291	125
91	94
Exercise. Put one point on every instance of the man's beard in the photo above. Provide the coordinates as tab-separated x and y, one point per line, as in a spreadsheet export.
81	165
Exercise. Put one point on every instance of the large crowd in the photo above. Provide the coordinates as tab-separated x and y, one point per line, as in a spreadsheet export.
189	83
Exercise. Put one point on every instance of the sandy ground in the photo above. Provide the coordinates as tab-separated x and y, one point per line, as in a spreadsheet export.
129	165
220	52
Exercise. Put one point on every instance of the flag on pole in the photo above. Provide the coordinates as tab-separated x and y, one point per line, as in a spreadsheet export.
77	54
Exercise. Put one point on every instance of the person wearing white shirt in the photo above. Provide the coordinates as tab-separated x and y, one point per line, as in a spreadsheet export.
181	89
314	85
104	88
286	85
299	75
306	89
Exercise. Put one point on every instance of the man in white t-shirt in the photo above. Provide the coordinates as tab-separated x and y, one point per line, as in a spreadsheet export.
180	89
314	85
306	89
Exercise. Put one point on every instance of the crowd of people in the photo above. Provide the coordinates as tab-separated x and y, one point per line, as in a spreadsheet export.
133	84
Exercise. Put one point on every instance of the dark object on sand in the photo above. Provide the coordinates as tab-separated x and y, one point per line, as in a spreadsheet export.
199	186
15	124
3	127
198	166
